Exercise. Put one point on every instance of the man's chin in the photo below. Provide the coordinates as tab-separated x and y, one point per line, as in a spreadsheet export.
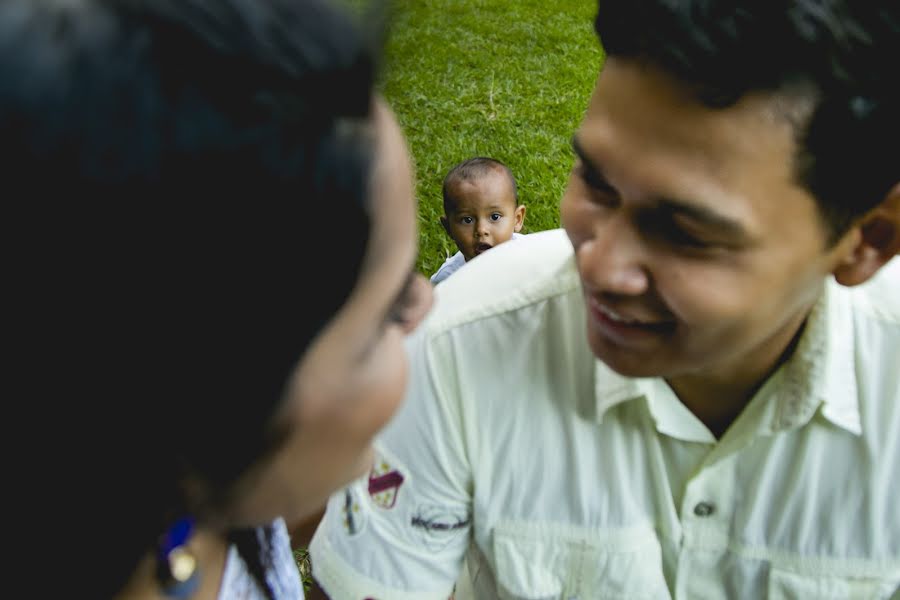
625	362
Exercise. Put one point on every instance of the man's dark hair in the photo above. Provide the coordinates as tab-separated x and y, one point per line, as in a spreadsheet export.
470	170
839	56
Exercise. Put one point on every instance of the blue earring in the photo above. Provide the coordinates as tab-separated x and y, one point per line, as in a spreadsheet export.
177	568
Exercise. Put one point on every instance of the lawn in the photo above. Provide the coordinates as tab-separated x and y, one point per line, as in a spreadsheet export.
507	79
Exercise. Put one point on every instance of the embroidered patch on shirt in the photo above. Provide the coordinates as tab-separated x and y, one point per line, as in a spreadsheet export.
438	525
384	484
354	517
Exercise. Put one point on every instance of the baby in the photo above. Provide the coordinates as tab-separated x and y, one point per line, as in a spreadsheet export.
481	210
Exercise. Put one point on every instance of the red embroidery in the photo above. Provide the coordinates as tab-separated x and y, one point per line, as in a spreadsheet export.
384	483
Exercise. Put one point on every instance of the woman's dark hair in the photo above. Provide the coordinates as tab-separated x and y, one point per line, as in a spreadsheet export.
191	183
838	56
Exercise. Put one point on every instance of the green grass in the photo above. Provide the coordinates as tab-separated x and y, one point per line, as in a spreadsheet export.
301	559
503	78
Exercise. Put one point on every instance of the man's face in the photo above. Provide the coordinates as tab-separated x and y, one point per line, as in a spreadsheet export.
486	214
699	254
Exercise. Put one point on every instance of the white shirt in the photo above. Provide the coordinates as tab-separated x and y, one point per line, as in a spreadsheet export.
452	264
283	576
571	481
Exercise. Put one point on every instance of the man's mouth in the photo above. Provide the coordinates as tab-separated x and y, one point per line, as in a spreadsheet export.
629	320
614	316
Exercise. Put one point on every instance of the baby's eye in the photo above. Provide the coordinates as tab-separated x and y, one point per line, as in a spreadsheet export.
467	220
496	216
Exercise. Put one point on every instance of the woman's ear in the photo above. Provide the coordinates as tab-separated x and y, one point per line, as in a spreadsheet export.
874	240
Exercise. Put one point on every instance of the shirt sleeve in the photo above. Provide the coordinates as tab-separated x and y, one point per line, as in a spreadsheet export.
450	266
402	531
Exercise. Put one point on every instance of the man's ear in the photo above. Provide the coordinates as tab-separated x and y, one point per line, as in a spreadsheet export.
874	240
446	225
520	217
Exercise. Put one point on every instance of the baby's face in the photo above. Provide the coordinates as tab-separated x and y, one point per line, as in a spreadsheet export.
486	214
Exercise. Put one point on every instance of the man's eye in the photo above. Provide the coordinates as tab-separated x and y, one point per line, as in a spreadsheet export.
681	238
670	233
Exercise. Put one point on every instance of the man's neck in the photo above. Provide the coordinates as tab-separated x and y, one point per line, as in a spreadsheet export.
717	398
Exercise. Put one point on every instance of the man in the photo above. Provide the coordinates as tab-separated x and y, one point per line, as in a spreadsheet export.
694	392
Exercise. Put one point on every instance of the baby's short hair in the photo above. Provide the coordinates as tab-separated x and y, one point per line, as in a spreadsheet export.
471	169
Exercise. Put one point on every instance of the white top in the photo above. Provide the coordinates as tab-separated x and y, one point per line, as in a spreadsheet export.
452	264
574	482
284	578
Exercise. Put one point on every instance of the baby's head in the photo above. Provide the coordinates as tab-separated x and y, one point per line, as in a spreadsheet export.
481	205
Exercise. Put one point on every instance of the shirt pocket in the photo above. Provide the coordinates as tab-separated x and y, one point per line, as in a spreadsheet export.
785	584
545	561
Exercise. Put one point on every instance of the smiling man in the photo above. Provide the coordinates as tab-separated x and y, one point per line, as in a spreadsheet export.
692	390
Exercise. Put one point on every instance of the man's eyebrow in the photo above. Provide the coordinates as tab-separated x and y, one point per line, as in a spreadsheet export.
723	226
705	217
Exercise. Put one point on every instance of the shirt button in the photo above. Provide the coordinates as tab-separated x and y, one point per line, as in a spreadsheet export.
704	509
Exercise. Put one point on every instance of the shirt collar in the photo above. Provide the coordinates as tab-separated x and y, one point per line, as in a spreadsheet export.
820	374
671	416
611	389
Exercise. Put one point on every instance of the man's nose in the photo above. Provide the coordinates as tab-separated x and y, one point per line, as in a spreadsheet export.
614	259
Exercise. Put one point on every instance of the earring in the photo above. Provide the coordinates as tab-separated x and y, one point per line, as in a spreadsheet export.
176	567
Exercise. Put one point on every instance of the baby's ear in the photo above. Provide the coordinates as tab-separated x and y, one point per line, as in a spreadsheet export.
520	217
871	242
445	224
